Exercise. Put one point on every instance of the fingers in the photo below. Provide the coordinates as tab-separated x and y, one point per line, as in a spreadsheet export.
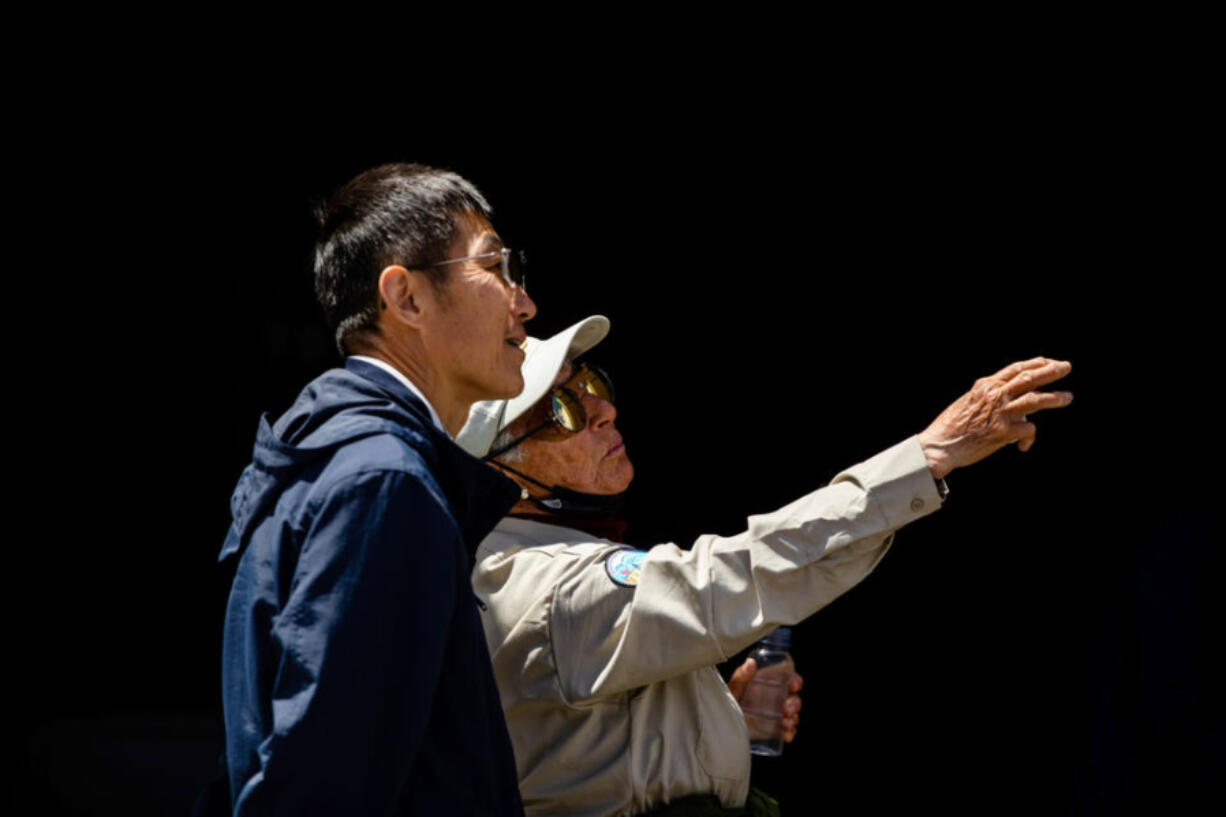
1022	430
1037	401
791	718
791	708
1014	369
1025	435
1025	378
1033	377
740	677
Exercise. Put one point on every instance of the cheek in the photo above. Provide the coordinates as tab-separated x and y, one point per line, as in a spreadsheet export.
581	465
587	463
477	321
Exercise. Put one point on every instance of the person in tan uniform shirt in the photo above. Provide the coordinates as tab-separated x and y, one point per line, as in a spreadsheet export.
605	656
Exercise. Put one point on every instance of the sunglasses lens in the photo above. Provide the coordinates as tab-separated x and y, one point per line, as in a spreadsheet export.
568	411
598	383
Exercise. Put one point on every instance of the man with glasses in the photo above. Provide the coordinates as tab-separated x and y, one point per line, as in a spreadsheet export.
605	655
355	676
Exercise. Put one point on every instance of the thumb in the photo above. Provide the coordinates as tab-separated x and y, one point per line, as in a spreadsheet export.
741	677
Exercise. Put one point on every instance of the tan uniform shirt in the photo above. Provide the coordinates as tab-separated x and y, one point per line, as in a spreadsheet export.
611	695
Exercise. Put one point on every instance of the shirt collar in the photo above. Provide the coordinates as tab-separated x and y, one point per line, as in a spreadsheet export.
408	384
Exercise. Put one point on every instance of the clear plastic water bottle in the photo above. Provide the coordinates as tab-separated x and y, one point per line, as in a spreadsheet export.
764	697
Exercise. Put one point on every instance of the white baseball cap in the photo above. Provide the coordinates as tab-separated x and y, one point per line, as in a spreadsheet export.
543	359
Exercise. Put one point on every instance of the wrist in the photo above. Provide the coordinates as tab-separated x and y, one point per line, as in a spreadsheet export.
939	461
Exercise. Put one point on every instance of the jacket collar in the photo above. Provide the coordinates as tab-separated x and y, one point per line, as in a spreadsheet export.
404	381
394	388
478	495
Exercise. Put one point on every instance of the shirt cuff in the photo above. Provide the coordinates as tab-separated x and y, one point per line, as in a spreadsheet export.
899	484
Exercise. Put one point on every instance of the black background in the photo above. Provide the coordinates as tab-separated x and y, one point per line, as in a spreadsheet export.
794	284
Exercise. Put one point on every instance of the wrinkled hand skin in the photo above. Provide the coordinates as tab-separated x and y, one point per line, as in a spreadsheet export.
993	414
791	704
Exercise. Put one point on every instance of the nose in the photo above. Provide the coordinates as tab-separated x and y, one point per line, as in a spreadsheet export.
522	304
600	412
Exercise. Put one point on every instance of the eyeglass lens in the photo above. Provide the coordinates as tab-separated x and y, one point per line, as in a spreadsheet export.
596	382
567	410
513	263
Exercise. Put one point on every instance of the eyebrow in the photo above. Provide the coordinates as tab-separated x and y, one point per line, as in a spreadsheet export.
491	243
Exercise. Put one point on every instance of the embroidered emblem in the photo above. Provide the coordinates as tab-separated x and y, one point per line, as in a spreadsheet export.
624	566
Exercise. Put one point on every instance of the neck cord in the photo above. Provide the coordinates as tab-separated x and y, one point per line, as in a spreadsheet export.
504	466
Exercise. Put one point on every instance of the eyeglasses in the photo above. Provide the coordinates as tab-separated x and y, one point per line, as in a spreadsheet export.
566	413
513	263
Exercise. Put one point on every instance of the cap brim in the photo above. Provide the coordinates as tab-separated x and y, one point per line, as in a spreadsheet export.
543	359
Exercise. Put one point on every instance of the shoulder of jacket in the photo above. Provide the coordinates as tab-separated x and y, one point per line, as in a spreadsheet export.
348	478
384	452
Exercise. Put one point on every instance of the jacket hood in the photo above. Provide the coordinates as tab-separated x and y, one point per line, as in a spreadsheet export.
343	406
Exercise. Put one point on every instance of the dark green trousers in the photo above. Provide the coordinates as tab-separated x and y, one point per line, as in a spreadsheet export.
759	804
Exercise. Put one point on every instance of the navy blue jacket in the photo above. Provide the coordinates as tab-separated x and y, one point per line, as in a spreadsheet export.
355	676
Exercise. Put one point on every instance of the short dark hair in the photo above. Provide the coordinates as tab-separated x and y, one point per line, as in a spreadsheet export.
393	214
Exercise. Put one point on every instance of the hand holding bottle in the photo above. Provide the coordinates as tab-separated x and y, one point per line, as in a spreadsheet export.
769	697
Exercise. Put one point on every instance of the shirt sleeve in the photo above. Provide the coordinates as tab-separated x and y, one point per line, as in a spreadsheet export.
362	638
694	608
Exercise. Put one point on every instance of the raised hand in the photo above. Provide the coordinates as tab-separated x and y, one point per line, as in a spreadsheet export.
994	413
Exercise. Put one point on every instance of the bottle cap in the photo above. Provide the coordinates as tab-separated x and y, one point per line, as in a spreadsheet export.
780	638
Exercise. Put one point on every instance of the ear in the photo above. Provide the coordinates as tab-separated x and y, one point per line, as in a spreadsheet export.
405	295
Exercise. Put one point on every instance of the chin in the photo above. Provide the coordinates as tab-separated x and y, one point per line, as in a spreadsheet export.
510	386
620	481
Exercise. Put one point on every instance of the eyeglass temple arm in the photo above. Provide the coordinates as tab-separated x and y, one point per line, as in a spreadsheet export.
505	253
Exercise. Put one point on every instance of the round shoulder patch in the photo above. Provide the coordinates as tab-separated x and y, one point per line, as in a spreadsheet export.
624	566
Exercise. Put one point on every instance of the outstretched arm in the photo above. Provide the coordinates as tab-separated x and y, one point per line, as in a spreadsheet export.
695	607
